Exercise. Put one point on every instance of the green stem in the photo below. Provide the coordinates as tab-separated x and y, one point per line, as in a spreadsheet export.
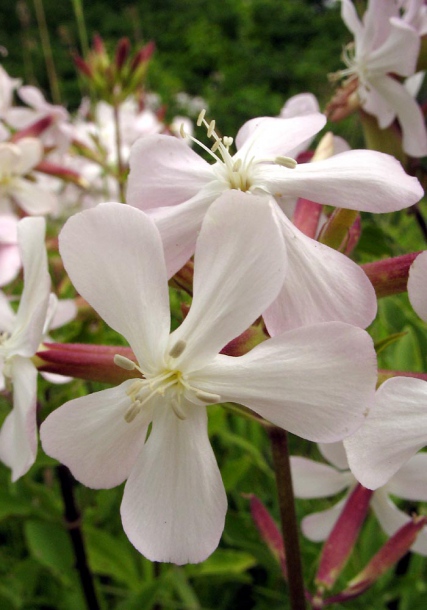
282	467
47	51
81	27
120	165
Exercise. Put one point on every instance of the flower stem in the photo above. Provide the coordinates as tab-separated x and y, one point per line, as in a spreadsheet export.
72	519
120	165
282	467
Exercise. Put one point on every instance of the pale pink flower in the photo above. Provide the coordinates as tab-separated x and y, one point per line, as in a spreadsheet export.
316	480
20	337
315	381
385	45
10	259
397	425
176	187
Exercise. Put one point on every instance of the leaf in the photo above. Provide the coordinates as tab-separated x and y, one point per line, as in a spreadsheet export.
382	344
223	562
13	506
50	545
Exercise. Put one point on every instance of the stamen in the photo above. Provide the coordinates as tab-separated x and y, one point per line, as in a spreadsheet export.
177	349
237	165
207	397
201	117
228	141
176	408
286	162
211	128
182	131
133	411
215	145
124	363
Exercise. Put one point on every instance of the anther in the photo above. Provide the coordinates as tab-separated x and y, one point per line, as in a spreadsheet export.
182	131
176	408
201	117
215	145
124	363
228	141
286	162
177	349
211	128
207	397
132	412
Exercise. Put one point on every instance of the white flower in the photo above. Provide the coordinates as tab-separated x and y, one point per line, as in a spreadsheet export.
17	160
20	337
10	260
316	480
176	187
316	381
385	45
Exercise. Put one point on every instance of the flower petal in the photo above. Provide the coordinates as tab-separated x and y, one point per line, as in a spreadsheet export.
91	437
267	136
174	502
399	52
18	435
318	526
410	482
394	431
113	254
364	180
409	114
234	279
321	285
164	171
31	154
417	285
312	479
32	198
335	454
315	381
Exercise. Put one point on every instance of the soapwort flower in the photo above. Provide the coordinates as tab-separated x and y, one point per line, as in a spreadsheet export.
316	381
313	479
20	336
176	187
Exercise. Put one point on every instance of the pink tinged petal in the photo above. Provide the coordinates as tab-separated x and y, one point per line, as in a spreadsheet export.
321	285
7	315
417	285
65	312
174	502
394	431
376	21
114	257
410	482
318	526
9	158
31	314
179	226
316	381
312	479
10	263
18	435
239	268
32	198
32	97
399	53
350	17
91	437
408	114
269	136
392	519
300	105
335	454
31	154
363	180
164	171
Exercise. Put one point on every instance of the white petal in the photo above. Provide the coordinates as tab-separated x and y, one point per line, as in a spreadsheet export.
394	431
32	97
267	136
31	314
31	154
399	53
7	315
91	437
18	435
113	254
174	502
164	171
32	198
239	268
364	180
312	479
10	263
9	157
335	454
316	381
417	285
410	482
321	285
392	519
179	226
350	18
300	105
408	113
318	526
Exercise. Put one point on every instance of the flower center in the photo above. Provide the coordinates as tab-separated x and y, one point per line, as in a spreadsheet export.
169	382
237	173
356	67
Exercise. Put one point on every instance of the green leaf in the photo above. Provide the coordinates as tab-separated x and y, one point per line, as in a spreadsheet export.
384	343
223	562
50	545
13	506
111	556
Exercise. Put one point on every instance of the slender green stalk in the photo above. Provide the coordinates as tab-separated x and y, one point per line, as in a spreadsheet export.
120	165
282	467
81	26
47	51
